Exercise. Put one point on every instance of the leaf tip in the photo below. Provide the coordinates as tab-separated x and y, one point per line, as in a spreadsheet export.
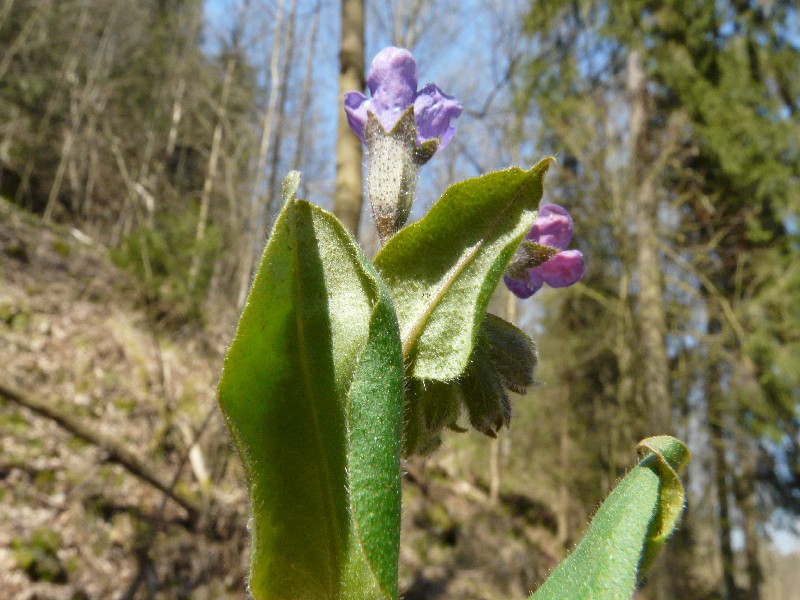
291	183
673	451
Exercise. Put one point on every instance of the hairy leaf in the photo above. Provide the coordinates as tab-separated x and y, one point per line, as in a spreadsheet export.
312	392
443	269
627	531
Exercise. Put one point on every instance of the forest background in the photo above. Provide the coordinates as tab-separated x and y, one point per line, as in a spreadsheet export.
142	147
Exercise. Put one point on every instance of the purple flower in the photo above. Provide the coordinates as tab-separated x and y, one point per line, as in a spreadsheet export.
552	229
392	83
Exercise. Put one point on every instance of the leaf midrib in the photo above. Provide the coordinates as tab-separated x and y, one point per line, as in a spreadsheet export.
380	304
579	561
332	522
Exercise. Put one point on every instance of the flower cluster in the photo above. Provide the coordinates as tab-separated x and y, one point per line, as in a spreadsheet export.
392	83
543	256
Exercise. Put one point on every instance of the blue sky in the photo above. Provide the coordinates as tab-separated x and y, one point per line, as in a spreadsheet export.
456	51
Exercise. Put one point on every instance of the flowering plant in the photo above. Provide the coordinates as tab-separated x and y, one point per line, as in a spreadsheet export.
341	365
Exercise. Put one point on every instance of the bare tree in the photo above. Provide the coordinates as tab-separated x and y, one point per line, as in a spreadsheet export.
423	26
273	193
251	234
80	104
211	173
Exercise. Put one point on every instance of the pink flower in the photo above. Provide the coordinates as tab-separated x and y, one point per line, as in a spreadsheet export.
553	230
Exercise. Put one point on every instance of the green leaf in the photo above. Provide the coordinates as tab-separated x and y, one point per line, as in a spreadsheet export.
443	269
627	531
312	392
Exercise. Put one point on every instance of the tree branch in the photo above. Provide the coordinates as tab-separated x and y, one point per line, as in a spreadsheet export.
117	453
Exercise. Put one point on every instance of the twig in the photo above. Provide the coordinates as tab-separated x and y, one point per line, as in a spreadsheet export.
725	305
117	453
185	456
142	553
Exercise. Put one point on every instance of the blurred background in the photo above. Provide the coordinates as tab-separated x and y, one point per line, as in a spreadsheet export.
142	147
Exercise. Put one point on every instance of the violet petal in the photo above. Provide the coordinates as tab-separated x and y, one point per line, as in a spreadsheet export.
524	288
392	82
553	227
564	269
433	110
356	106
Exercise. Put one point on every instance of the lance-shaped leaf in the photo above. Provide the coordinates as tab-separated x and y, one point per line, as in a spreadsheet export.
627	531
443	269
312	392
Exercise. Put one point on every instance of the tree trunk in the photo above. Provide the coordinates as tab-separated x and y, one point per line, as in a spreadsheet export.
745	493
716	427
748	508
305	103
563	533
211	173
251	226
177	114
273	194
116	452
349	190
651	303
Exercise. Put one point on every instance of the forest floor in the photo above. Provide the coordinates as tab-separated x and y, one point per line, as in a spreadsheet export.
75	334
81	516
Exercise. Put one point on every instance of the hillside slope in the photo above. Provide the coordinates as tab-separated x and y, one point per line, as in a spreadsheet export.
74	334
